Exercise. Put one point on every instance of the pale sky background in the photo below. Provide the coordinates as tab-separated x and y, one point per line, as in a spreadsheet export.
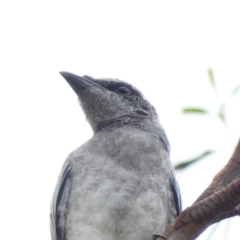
162	47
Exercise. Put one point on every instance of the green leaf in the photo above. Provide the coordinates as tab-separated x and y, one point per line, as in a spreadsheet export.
222	117
194	110
235	91
221	114
187	163
211	78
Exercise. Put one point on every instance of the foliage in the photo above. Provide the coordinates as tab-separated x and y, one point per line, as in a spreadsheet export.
220	114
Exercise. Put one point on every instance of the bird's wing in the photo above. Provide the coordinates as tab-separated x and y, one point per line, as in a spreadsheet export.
60	200
176	194
159	133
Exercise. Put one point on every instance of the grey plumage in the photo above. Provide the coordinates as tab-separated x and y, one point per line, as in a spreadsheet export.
119	185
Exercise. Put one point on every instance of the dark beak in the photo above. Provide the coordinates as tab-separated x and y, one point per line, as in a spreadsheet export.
78	83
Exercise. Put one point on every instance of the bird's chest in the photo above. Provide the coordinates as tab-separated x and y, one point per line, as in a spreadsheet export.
117	203
122	185
123	166
134	151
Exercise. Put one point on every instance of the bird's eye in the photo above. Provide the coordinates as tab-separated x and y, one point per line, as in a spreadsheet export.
123	90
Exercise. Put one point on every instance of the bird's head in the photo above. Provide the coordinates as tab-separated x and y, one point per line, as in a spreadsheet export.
110	101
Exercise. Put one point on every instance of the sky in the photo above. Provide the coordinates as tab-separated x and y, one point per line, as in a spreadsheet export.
164	48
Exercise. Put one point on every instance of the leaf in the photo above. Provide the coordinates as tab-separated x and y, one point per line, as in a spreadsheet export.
221	114
211	78
235	91
222	117
187	163
194	110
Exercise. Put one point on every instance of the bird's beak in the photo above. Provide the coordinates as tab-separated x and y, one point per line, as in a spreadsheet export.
78	83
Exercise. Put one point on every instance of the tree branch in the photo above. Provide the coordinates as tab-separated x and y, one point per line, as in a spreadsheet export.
219	201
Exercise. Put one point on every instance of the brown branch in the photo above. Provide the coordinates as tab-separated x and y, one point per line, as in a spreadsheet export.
230	172
219	201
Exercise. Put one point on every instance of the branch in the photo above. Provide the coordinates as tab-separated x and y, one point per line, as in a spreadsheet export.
219	201
230	172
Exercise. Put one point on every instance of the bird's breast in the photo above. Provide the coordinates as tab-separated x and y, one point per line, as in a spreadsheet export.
119	187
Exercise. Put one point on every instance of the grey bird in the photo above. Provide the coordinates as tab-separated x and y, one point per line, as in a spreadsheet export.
120	184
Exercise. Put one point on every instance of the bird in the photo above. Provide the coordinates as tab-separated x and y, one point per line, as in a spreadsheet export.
120	184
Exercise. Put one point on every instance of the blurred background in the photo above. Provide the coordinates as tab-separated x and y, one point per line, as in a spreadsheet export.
183	55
